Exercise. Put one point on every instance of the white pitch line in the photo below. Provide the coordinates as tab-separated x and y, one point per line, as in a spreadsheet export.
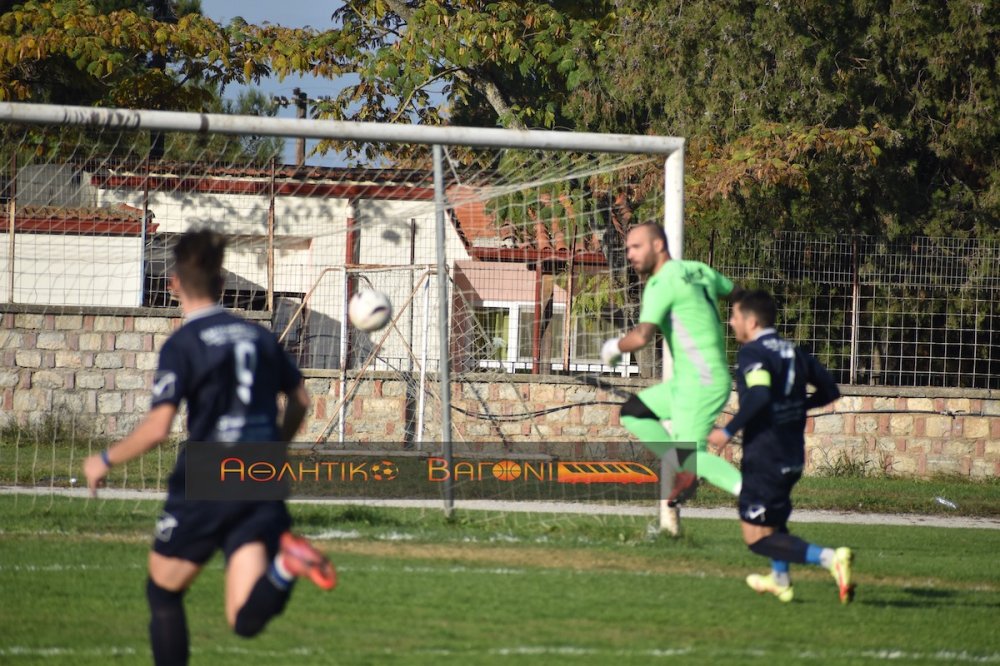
563	652
574	508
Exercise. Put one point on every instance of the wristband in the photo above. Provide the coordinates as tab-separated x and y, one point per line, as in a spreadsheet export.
105	459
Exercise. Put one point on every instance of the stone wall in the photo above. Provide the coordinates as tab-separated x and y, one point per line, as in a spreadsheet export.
96	367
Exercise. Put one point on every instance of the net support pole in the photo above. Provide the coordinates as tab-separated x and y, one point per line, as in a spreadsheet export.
142	231
443	325
344	350
11	226
855	306
423	363
270	241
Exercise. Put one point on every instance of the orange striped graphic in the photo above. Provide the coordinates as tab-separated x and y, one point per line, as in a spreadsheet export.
604	472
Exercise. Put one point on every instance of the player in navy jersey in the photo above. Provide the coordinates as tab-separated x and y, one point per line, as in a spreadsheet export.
771	379
230	372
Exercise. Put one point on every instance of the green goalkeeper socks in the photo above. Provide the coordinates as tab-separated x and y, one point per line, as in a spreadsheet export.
718	471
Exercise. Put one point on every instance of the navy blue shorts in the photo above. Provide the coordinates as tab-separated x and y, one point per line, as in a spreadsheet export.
766	495
194	530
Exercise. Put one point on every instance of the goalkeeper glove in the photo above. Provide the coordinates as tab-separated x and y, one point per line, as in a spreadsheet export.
611	353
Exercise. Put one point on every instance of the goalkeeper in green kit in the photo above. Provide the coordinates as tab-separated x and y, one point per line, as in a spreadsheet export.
674	419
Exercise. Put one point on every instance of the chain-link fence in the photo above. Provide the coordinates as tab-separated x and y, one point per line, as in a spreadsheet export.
907	312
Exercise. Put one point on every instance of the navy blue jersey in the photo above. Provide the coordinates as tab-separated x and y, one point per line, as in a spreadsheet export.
771	379
229	371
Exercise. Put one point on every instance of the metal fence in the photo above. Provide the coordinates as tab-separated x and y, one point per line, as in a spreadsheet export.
913	311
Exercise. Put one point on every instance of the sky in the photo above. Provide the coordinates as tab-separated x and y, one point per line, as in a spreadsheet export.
291	14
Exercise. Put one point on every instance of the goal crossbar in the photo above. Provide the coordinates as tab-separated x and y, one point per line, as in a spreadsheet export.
178	121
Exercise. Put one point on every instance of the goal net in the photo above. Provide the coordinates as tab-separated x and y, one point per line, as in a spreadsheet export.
522	232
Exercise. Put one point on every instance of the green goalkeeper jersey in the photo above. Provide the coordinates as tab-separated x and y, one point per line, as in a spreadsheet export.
682	300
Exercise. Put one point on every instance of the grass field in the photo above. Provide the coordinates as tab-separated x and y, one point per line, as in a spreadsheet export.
493	588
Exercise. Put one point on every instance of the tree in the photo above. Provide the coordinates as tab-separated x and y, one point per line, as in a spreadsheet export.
154	54
63	69
792	81
71	51
508	63
787	107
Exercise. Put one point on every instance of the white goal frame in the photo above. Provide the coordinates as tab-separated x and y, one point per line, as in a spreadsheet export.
436	137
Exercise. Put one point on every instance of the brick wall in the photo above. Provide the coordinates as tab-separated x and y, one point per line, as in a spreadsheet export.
96	367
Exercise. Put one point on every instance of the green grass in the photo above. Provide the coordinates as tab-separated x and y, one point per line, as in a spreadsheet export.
504	588
885	494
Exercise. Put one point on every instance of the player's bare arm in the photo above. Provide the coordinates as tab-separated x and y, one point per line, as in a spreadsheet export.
153	430
637	338
295	412
718	438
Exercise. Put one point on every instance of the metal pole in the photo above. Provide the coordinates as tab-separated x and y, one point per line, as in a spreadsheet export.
142	232
300	113
423	364
568	312
270	245
443	325
536	328
855	306
11	224
343	362
413	285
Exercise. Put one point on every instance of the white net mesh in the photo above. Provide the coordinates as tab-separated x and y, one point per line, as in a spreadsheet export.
537	279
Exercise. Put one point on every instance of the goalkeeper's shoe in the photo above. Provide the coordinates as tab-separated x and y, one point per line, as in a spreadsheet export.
303	560
761	584
685	486
841	570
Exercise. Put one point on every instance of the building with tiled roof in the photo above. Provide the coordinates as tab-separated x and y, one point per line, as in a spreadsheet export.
73	255
313	235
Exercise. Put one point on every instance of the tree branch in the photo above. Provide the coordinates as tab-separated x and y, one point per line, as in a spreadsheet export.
406	102
494	96
488	89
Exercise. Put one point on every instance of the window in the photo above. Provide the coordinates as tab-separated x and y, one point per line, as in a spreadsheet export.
552	335
492	334
504	339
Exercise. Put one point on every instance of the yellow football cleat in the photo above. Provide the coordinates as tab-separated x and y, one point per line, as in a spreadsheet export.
841	570
761	584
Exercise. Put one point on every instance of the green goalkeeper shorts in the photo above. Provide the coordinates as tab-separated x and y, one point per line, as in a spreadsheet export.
692	410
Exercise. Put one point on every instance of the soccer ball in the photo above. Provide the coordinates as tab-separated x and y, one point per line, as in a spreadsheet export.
385	471
369	310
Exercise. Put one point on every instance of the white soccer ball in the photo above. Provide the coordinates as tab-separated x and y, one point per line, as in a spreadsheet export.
369	310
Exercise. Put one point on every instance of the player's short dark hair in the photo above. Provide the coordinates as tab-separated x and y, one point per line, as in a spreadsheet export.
759	303
655	231
198	262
